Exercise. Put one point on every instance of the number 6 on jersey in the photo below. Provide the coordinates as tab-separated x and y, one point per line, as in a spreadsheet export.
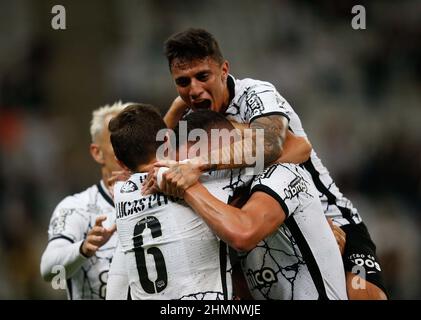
162	279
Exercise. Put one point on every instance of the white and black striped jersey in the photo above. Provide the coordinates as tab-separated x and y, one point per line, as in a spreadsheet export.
301	260
170	251
252	99
71	221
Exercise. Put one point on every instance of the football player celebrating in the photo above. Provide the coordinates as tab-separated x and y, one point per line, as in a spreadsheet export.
81	235
202	79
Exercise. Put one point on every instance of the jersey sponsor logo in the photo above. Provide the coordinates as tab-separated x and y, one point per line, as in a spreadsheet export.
296	186
366	261
129	186
254	104
262	278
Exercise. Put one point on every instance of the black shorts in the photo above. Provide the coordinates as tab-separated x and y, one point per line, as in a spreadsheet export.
360	255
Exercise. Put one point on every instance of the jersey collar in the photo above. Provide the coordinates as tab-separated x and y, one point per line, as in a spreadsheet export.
105	193
231	88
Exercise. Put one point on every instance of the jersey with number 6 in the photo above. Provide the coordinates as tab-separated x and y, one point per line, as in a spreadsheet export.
170	252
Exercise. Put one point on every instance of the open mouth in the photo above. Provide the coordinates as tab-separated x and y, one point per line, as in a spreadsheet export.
204	104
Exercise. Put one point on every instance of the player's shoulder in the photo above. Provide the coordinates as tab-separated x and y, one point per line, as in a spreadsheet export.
279	173
78	200
124	189
249	84
287	183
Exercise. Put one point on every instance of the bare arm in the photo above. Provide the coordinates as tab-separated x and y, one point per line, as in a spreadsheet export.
359	289
234	155
181	176
275	129
175	112
295	149
241	228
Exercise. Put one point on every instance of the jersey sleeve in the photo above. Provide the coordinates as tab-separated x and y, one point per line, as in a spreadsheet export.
283	183
263	99
61	253
69	221
118	280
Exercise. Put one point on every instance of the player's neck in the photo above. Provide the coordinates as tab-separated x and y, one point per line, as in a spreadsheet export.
146	167
226	100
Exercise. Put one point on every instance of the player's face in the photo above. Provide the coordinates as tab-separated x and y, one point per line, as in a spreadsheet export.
109	161
202	84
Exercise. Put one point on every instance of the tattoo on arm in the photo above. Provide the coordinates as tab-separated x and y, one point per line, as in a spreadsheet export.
274	127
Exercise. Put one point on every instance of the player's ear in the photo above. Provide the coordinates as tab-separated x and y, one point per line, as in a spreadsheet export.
97	153
225	70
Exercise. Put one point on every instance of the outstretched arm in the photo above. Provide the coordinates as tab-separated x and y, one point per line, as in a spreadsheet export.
241	228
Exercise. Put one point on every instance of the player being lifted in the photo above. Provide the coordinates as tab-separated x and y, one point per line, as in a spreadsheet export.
81	233
202	79
169	251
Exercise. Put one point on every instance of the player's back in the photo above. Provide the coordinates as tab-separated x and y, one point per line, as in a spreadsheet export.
170	252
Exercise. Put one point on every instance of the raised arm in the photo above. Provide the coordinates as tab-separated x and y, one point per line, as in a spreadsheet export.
68	247
241	228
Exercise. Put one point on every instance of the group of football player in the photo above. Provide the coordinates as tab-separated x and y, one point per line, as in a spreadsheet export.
206	226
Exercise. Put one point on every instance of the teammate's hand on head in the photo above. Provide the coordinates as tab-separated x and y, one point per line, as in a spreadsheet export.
97	237
339	234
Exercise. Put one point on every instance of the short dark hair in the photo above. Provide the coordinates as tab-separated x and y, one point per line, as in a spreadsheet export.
206	120
192	44
203	119
133	134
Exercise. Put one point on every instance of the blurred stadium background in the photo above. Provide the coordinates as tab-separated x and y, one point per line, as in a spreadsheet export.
357	92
